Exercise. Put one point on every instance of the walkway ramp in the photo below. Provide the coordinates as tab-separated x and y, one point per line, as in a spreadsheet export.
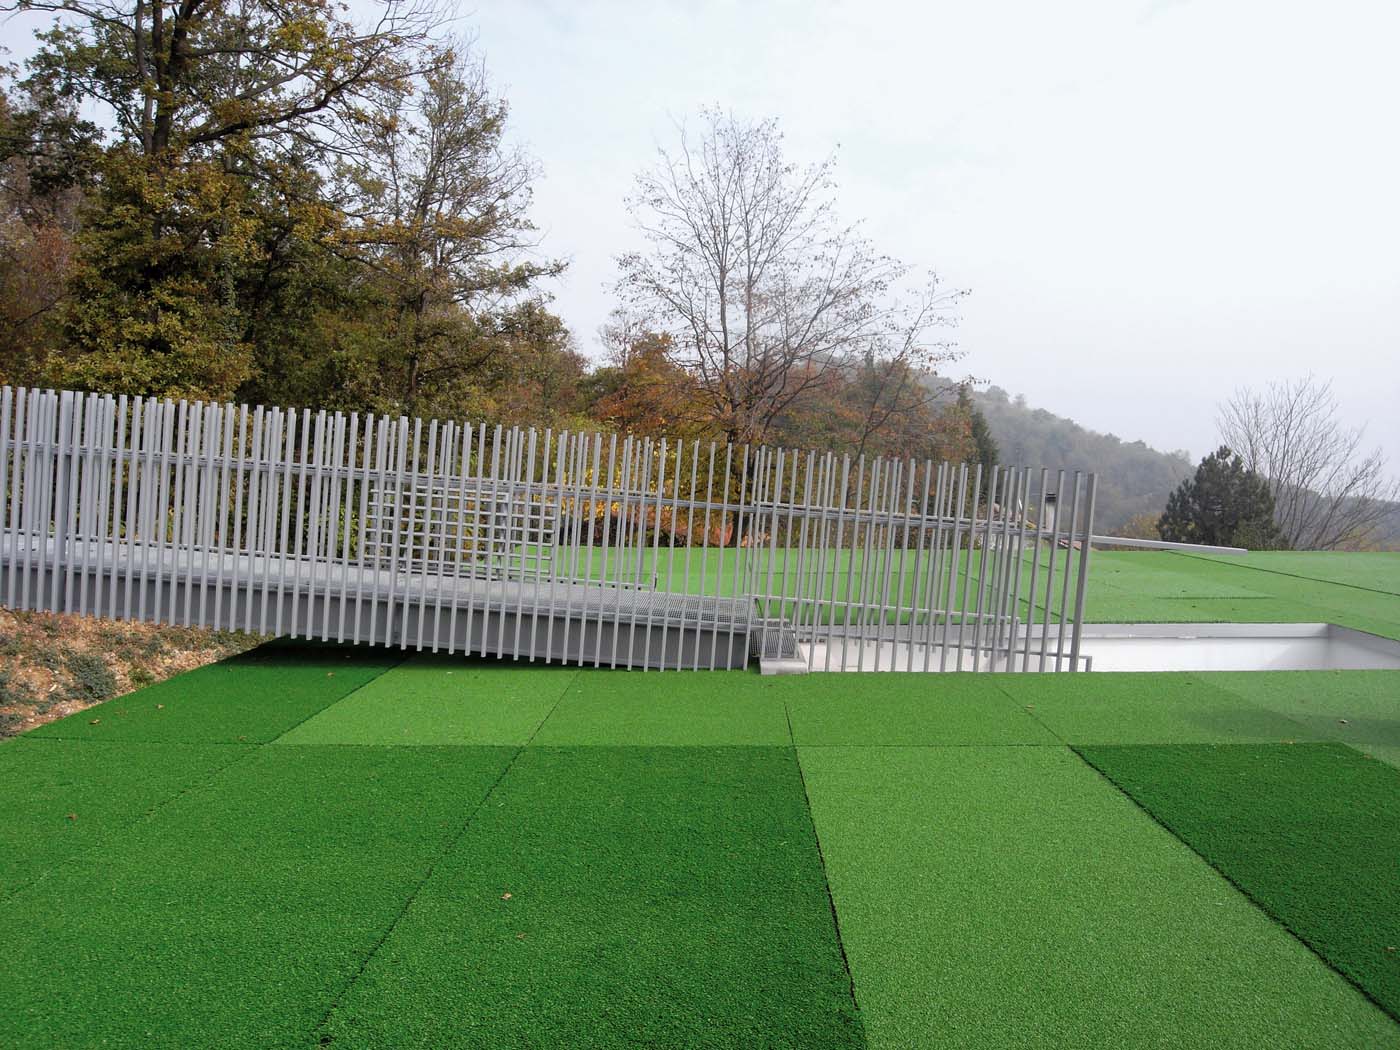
602	550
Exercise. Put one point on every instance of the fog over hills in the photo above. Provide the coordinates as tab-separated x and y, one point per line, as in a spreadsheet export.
1133	477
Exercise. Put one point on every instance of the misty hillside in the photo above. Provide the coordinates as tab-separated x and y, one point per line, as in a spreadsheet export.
1133	478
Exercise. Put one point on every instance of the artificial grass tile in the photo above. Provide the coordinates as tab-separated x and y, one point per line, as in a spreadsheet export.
674	708
1126	708
1366	610
1361	708
1125	607
906	708
250	698
1162	575
440	699
236	914
1311	832
61	797
1370	570
999	897
1387	753
608	897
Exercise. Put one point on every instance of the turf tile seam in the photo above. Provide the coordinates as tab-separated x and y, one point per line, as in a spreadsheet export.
821	861
451	844
1292	575
1029	709
930	747
436	699
240	751
1013	898
334	1003
1222	870
313	714
247	751
249	698
232	917
667	896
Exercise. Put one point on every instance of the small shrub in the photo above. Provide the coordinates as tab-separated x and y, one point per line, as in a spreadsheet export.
13	692
92	679
154	644
140	676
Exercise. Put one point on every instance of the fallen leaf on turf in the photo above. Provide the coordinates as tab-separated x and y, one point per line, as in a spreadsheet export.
74	816
94	721
505	896
1342	721
160	707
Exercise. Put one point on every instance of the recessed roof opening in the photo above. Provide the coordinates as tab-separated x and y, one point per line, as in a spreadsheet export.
1126	647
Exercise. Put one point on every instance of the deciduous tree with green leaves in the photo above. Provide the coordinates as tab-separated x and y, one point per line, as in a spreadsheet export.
437	207
224	119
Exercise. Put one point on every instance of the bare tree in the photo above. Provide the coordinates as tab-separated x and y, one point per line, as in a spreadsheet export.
765	294
1329	491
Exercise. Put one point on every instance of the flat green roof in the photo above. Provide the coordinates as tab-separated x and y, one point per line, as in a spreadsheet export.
310	846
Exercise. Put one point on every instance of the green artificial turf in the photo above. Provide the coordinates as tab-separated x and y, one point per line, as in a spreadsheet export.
1335	603
1324	601
674	708
1164	575
906	708
236	914
1375	571
61	797
1126	708
1009	897
1311	832
608	897
1124	586
1360	708
250	698
440	699
1288	587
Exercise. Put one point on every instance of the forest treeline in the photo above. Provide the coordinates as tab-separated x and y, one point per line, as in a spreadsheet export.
1134	479
277	204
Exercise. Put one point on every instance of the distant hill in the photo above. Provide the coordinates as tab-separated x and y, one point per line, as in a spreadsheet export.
1133	478
1387	534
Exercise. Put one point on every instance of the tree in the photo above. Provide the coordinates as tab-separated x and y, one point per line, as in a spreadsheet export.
984	445
1329	492
640	390
1140	527
46	166
1224	503
765	294
438	211
225	121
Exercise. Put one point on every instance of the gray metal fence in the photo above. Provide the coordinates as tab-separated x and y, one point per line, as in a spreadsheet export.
590	548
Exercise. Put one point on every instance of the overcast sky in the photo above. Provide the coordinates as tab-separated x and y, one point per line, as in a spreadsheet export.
1152	201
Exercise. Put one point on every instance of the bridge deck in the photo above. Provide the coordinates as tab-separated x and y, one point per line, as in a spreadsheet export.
552	618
